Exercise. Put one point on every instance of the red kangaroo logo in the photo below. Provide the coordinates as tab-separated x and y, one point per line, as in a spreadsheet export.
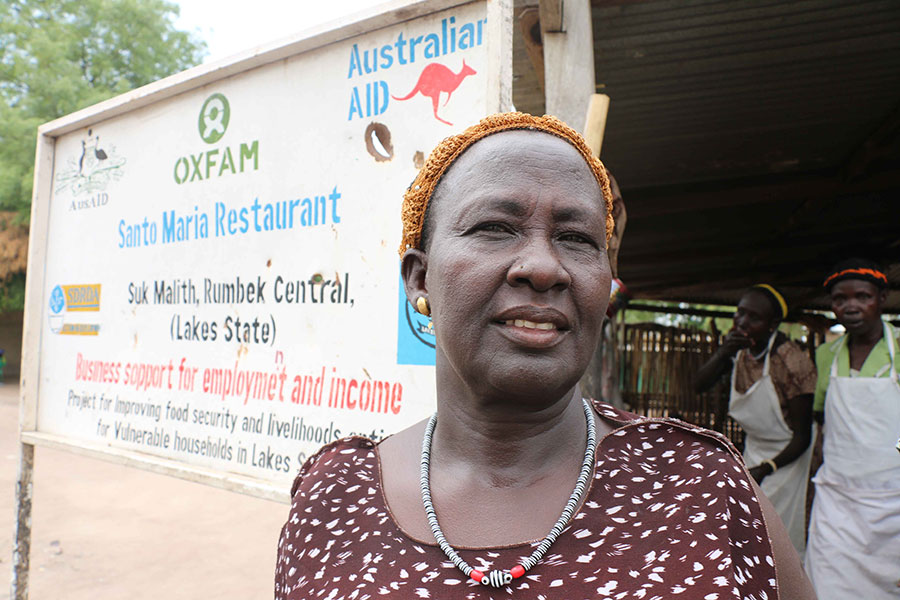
437	78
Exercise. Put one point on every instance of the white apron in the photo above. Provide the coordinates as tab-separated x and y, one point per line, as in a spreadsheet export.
854	532
759	414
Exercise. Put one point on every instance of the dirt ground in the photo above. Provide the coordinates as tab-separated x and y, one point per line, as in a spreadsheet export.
105	531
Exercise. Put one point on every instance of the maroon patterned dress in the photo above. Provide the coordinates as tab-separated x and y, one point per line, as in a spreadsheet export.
670	514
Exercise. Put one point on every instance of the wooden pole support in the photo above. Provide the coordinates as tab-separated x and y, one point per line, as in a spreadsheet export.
500	55
552	16
22	542
568	60
595	122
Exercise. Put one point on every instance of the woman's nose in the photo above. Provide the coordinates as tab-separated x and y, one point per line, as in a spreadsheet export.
539	266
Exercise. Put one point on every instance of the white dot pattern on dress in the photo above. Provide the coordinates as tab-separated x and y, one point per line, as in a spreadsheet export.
671	513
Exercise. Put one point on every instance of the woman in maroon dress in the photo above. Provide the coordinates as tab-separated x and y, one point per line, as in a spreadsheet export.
516	487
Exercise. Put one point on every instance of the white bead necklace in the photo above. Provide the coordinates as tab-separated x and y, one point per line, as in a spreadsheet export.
499	578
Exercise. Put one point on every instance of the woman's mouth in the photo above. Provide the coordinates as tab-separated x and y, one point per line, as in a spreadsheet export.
535	335
530	324
535	327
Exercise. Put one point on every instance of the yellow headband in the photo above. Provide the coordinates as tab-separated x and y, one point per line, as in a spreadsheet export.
416	198
777	295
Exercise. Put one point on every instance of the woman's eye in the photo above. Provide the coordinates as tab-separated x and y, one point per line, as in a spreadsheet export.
493	228
577	238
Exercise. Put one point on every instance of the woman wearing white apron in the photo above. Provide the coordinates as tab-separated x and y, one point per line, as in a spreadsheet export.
773	406
854	535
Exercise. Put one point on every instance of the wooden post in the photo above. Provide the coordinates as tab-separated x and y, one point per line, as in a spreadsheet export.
595	122
500	55
552	16
22	541
28	386
568	59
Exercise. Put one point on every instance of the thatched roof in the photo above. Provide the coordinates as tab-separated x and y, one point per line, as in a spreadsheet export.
13	245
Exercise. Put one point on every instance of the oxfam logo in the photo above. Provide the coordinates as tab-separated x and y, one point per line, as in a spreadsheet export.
213	119
212	123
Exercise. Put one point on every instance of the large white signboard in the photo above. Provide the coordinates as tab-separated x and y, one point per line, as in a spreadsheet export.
221	288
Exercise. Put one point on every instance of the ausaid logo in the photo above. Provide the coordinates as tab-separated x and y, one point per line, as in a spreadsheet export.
437	81
89	172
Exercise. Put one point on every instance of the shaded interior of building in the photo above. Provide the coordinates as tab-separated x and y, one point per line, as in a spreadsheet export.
753	141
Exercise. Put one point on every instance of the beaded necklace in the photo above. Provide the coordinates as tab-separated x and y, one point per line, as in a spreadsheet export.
499	578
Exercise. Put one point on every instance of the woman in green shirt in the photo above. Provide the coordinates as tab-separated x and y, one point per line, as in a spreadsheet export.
854	535
857	298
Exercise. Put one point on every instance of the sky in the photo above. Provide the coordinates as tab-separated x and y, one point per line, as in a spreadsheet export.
231	26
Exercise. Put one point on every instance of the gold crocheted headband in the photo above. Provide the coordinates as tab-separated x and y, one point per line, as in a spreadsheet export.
416	198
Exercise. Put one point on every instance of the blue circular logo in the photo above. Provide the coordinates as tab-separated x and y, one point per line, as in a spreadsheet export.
57	300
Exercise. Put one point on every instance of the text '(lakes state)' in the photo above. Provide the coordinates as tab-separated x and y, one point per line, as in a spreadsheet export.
258	328
225	220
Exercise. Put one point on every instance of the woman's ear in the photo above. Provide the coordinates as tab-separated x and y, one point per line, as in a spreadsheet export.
413	268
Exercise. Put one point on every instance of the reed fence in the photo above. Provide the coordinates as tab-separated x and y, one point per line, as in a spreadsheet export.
657	377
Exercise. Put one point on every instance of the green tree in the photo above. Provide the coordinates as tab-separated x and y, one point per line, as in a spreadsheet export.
58	56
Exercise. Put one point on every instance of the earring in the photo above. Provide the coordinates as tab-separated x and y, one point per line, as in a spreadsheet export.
422	306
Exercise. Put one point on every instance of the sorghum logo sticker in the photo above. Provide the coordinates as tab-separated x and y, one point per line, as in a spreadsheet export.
213	119
57	304
80	298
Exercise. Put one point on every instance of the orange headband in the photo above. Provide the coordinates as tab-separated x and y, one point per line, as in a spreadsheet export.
869	272
416	198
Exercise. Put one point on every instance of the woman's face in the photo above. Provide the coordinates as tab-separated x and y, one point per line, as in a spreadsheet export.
516	268
857	305
755	318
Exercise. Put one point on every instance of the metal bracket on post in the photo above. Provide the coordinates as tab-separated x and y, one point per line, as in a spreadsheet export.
22	541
